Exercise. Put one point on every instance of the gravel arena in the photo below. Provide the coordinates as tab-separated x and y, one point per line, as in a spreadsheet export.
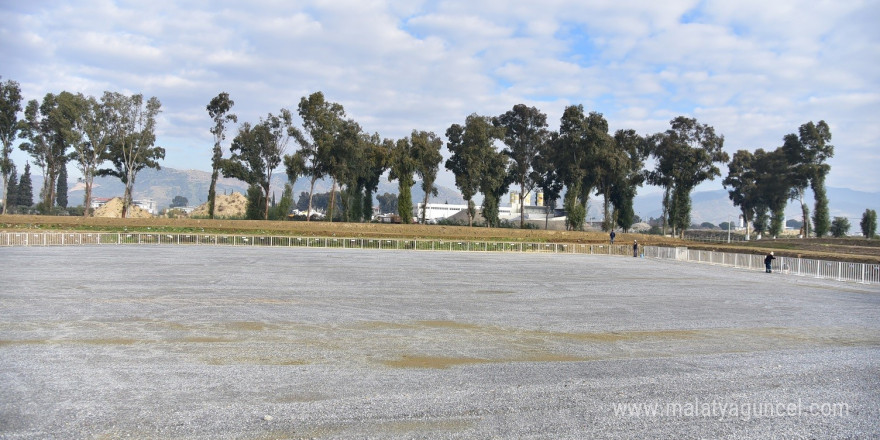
210	342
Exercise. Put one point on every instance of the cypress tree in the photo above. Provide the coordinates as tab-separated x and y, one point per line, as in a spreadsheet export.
61	187
25	188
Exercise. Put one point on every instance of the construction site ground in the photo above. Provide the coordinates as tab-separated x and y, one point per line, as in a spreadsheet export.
216	342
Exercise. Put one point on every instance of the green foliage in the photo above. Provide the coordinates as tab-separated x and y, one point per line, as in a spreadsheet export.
840	227
280	210
685	157
178	201
472	152
10	185
524	133
25	192
132	128
61	188
256	202
387	203
10	106
218	109
426	154
869	223
821	215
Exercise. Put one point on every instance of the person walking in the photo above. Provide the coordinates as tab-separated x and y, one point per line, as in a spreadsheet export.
635	248
768	261
612	236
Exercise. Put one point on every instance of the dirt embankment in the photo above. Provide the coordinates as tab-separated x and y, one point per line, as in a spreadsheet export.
853	250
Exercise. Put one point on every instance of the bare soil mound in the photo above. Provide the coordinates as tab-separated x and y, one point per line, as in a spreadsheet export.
225	206
113	209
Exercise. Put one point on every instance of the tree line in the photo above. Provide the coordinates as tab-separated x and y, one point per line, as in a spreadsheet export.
572	163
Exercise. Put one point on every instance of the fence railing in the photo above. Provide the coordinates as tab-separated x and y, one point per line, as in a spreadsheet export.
842	271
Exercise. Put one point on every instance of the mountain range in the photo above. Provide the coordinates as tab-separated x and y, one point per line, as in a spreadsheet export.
706	206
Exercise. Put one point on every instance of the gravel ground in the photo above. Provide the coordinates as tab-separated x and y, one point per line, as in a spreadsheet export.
263	343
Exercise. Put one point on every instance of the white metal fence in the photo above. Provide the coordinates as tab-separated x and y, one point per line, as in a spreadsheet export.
842	271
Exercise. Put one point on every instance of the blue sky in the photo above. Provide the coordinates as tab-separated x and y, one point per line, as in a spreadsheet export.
754	70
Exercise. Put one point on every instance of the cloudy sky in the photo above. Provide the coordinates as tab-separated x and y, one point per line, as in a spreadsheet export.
755	70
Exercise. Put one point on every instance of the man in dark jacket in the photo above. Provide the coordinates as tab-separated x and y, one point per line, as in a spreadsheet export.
768	260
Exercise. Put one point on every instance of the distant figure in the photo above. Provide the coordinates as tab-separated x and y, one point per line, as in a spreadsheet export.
635	248
612	237
768	260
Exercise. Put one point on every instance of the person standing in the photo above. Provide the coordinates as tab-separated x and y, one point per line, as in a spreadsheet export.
612	236
768	261
635	248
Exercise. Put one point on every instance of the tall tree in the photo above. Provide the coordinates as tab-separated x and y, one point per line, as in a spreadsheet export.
132	125
525	131
11	190
869	223
611	163
426	153
772	186
218	110
742	181
322	122
61	188
686	155
578	138
629	178
374	164
47	130
403	167
257	151
807	154
470	146
494	182
93	150
25	188
547	175
10	106
840	227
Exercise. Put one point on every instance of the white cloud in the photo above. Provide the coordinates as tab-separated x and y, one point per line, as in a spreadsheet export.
755	70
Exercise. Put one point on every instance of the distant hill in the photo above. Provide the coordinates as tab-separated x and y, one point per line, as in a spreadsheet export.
165	184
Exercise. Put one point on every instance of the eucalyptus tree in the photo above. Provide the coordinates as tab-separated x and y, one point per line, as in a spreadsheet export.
629	177
807	153
403	166
579	137
570	152
322	122
92	152
426	153
470	146
494	182
10	106
610	164
374	163
525	131
132	124
258	150
547	176
686	155
345	169
43	143
772	186
742	181
219	111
